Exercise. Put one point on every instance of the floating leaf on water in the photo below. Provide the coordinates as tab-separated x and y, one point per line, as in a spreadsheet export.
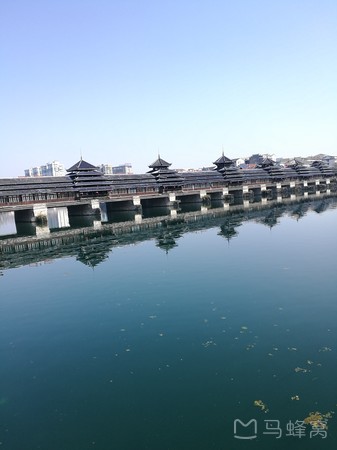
318	419
295	397
261	405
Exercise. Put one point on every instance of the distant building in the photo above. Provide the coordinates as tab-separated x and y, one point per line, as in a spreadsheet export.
106	169
238	161
109	169
257	158
33	172
254	159
53	169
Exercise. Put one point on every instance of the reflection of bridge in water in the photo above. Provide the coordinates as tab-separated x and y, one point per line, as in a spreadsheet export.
91	245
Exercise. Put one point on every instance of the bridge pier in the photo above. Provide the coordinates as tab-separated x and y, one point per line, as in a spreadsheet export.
247	195
100	208
42	231
7	223
58	217
138	218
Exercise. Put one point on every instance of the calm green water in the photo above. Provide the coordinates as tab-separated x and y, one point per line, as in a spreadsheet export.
155	350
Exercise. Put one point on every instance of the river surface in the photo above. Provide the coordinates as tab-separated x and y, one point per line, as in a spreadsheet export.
178	343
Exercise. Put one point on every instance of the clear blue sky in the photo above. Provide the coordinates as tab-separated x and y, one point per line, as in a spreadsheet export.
120	79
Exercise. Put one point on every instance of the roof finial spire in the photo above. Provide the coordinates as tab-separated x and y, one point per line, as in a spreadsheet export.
81	153
223	154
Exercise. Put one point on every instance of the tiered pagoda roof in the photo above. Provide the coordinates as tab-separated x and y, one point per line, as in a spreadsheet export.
273	169
87	178
266	162
81	165
164	176
227	168
159	163
323	168
223	162
305	171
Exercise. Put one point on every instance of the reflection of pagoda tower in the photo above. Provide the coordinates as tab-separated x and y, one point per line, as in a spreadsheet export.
166	178
300	211
167	239
87	180
272	216
166	242
92	255
227	168
321	207
227	229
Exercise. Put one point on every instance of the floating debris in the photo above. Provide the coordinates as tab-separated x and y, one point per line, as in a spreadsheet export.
325	349
261	405
250	346
300	369
318	419
295	397
292	349
208	343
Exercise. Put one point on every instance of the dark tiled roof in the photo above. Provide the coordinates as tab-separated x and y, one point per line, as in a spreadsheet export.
159	163
223	160
81	165
267	162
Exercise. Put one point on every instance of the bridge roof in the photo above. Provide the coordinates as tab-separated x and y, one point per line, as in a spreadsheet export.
81	165
223	160
159	163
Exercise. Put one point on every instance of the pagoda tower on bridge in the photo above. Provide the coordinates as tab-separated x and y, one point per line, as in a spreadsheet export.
166	178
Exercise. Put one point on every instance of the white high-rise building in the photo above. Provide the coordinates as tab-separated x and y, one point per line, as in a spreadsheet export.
109	169
53	169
